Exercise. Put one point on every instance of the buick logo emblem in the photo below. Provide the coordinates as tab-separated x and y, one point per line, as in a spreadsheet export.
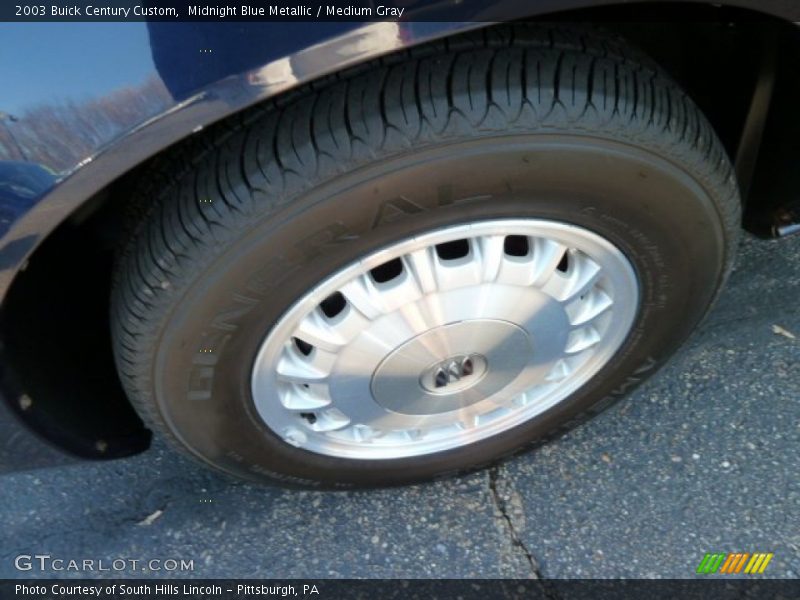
454	374
453	370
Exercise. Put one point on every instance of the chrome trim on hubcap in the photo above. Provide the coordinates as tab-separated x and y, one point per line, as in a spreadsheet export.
444	339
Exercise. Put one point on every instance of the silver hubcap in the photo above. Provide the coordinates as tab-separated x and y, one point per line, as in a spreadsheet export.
445	339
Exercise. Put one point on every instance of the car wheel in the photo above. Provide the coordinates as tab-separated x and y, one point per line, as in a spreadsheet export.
425	266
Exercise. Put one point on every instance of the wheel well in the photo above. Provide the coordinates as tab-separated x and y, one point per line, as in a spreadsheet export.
59	373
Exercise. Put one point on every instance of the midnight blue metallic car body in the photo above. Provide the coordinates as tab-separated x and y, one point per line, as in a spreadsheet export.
82	104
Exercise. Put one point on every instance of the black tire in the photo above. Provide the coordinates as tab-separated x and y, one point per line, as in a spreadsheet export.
522	121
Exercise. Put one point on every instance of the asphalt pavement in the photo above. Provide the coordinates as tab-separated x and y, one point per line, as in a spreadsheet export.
703	458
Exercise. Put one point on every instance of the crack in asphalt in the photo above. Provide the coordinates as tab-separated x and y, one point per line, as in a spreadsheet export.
516	541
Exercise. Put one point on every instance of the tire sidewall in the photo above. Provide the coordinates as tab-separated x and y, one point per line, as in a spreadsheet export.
656	212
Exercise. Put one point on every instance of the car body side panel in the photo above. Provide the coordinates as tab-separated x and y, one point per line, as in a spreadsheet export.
21	448
173	92
83	103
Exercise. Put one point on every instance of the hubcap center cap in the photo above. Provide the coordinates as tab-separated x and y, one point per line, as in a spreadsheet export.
451	367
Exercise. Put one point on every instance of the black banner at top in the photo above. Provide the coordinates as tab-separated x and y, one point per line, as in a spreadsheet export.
258	10
351	10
